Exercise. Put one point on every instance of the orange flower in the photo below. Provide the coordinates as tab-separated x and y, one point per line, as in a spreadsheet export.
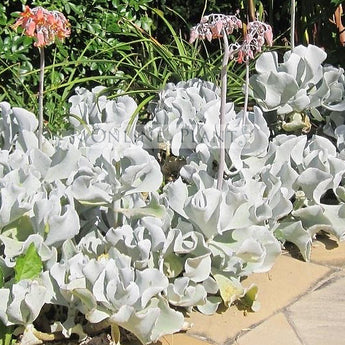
44	25
23	19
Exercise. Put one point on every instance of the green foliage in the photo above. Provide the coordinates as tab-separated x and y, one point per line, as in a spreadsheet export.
6	334
120	44
150	64
336	2
28	265
99	24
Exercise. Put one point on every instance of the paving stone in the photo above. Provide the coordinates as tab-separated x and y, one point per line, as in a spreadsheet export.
319	317
288	279
181	339
327	251
275	330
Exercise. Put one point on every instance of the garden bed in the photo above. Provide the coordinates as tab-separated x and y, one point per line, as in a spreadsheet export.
128	220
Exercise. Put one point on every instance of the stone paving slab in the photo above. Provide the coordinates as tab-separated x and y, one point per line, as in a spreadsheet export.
289	279
276	330
181	339
319	317
327	251
301	304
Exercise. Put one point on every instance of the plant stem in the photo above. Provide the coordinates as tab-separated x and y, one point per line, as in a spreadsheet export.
245	106
223	86
292	24
40	98
246	89
204	9
251	11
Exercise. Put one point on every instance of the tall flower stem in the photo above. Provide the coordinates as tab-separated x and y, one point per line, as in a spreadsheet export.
204	9
293	20
219	26
45	26
40	98
245	106
222	124
251	10
246	86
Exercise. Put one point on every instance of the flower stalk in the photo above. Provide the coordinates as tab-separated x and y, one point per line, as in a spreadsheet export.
222	124
45	27
293	20
211	27
40	98
219	26
246	89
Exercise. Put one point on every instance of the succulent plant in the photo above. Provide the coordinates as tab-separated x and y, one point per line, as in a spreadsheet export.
177	114
86	225
298	89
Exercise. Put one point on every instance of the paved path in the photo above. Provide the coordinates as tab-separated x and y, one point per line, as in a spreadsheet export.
301	304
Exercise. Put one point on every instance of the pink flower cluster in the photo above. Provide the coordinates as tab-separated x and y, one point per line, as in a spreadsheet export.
256	35
213	26
44	25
